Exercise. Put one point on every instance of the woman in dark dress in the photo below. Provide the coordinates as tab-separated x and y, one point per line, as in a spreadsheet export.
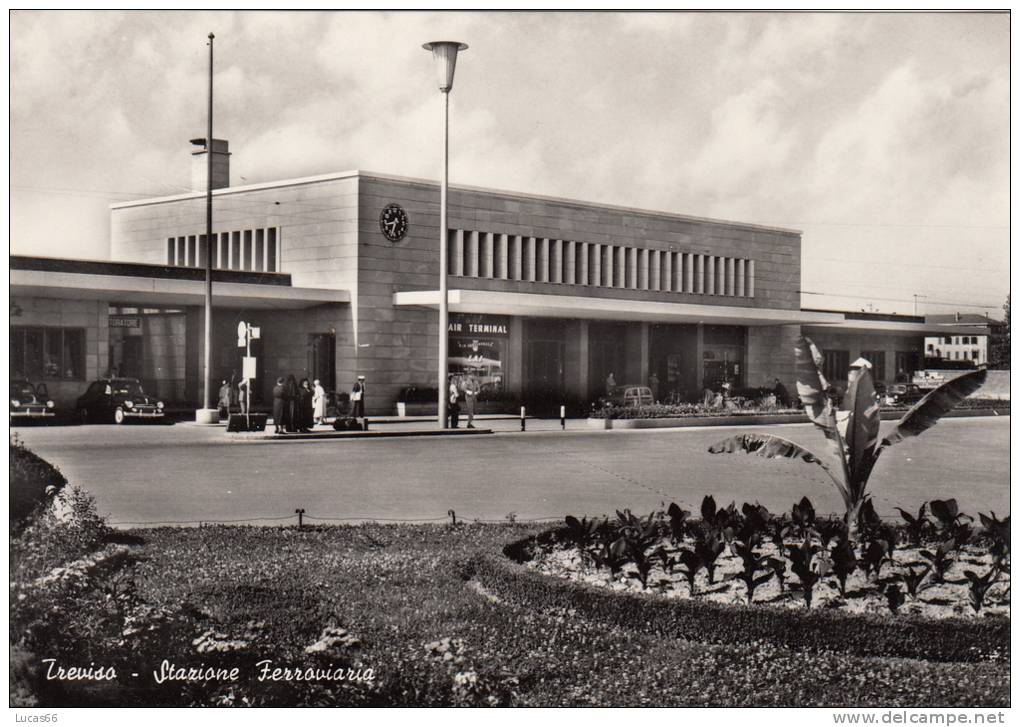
279	405
290	408
304	406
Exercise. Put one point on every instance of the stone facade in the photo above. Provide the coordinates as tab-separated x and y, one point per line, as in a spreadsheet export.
328	235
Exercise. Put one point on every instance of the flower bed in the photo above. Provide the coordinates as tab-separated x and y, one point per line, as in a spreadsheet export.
863	595
935	574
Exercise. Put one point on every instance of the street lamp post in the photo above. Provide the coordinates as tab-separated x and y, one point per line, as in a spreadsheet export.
208	415
445	54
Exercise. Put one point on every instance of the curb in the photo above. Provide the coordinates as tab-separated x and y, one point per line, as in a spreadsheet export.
753	420
371	434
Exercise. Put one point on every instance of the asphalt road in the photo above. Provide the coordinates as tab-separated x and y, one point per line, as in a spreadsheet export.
188	474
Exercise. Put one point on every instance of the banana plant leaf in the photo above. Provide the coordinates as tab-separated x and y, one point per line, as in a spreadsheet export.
773	447
863	423
812	388
811	384
926	413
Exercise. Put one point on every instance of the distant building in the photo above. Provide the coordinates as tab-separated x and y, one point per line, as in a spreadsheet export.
971	346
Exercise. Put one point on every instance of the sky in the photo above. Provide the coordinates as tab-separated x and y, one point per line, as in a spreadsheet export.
884	137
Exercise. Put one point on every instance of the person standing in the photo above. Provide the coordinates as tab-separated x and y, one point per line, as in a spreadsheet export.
471	388
782	395
304	407
318	403
279	406
453	392
290	409
224	400
242	395
358	398
610	384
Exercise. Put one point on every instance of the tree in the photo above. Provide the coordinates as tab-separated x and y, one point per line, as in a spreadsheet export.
998	341
852	431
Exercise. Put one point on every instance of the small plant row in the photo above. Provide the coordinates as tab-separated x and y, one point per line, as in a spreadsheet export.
810	547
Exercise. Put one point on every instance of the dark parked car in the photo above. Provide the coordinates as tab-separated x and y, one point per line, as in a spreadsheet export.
30	402
117	400
903	394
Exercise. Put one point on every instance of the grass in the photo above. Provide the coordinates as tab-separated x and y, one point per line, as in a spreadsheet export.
411	610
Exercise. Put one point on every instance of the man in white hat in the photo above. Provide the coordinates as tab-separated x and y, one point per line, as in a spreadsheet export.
318	403
358	398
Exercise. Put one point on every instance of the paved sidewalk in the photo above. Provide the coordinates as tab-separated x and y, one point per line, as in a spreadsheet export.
407	426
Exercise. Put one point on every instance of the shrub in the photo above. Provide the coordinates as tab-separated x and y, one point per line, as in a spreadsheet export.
34	483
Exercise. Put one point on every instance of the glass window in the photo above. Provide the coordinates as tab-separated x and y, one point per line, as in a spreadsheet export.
877	361
52	355
246	260
73	357
47	353
17	354
835	366
271	250
34	353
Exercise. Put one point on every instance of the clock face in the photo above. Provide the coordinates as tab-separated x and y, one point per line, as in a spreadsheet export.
393	222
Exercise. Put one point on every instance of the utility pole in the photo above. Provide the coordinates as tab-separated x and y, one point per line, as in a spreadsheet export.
206	414
916	296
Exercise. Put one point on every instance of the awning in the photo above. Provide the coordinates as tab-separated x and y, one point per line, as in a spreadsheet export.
139	290
571	306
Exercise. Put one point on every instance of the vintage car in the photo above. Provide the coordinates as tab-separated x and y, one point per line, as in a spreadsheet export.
117	400
902	394
30	402
631	395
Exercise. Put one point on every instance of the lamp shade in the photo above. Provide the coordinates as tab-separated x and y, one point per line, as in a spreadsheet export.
445	54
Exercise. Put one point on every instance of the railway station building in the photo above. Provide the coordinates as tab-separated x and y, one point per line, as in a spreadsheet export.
340	272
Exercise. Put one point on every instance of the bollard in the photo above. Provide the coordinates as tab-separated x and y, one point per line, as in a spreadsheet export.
522	418
364	424
300	517
563	417
453	517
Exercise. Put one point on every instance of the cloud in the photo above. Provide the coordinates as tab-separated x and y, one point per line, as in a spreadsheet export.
837	123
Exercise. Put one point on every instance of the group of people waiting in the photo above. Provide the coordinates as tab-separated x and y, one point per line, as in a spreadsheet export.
466	389
297	407
232	397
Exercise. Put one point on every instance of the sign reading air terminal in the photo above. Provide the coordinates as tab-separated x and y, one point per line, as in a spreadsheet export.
478	349
479	325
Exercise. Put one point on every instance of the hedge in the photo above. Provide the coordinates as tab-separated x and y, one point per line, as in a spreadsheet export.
34	484
869	635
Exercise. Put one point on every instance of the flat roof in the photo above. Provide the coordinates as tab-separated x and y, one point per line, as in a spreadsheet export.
144	270
180	287
572	306
350	174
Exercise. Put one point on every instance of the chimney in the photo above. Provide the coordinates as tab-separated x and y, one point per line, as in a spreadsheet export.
220	165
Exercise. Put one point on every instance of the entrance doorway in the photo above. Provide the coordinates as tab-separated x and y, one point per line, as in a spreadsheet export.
673	352
322	359
544	390
607	354
131	357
